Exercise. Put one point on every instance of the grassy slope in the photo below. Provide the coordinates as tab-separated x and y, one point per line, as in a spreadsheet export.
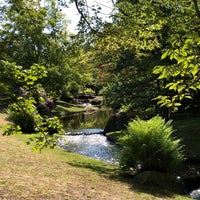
56	174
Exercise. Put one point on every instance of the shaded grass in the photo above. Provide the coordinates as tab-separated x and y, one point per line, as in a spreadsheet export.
188	130
67	110
63	108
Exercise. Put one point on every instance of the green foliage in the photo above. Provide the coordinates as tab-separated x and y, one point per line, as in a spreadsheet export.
149	145
35	32
27	21
179	72
127	50
28	112
14	76
182	77
47	133
11	129
24	114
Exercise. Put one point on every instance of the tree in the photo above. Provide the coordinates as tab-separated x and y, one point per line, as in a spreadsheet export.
128	49
36	33
140	33
179	74
23	32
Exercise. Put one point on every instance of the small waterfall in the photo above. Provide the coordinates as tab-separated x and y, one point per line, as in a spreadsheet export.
91	143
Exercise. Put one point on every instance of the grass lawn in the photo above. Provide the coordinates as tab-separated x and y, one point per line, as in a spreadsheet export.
55	174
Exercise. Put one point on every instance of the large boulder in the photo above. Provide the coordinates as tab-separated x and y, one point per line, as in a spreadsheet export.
117	122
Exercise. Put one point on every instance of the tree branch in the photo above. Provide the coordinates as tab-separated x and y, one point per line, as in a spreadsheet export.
82	14
196	8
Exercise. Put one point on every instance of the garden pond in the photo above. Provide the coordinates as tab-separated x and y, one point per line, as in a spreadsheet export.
84	135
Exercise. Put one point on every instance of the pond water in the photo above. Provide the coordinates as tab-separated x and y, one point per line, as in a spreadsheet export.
84	135
87	120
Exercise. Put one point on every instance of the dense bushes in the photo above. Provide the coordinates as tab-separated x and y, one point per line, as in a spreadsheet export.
30	109
149	145
23	113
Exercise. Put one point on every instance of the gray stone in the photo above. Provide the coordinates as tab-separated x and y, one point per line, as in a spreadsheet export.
195	194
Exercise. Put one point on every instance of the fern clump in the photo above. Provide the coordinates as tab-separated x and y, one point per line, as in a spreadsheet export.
149	145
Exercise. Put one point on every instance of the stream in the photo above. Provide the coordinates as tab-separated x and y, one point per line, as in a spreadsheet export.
84	135
91	143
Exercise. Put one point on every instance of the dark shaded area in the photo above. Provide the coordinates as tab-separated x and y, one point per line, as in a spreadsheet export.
191	183
189	175
117	122
4	102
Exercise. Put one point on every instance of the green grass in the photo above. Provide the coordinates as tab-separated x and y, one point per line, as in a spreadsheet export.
63	108
56	174
70	109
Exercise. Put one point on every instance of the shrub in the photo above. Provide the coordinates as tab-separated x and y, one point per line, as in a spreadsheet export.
47	133
149	145
23	113
25	118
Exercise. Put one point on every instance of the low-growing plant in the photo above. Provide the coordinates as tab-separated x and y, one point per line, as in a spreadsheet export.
47	133
11	129
149	145
23	113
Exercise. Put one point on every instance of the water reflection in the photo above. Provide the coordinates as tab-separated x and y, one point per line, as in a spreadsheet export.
87	120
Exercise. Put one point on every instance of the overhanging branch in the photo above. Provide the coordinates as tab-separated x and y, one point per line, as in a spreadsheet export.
82	14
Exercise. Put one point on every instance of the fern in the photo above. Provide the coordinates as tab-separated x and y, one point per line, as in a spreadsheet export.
149	145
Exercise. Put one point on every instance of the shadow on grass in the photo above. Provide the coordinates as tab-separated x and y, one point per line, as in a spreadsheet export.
112	172
100	168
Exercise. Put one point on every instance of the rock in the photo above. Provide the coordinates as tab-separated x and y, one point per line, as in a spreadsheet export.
117	122
195	194
158	180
